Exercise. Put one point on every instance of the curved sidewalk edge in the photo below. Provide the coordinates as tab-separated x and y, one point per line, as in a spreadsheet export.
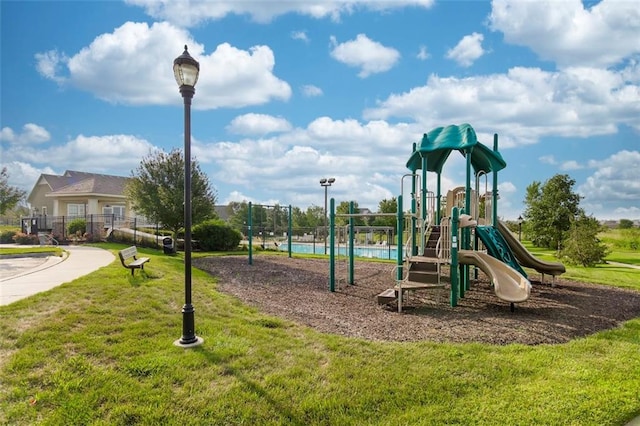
79	261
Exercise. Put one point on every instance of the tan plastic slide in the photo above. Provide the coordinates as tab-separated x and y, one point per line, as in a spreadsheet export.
508	284
525	258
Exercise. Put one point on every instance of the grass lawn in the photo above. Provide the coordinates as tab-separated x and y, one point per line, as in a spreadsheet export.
99	350
619	276
50	251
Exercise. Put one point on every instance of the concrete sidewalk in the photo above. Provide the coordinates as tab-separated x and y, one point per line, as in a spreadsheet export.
21	278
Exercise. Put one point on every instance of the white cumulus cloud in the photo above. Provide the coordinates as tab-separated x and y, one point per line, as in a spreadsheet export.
616	178
258	124
368	55
31	134
309	90
467	50
524	104
568	32
133	65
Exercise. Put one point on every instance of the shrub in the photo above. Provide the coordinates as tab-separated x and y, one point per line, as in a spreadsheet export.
216	235
26	239
582	246
6	237
92	238
77	227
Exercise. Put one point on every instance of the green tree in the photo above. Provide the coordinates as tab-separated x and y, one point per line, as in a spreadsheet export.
315	216
10	195
550	209
582	246
156	190
238	215
343	208
625	224
299	218
387	206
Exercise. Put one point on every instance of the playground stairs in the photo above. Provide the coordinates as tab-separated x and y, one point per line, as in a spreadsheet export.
423	271
432	242
422	275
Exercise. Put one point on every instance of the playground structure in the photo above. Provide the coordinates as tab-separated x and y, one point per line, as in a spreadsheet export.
456	232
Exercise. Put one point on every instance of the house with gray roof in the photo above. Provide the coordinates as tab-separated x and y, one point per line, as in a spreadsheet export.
78	194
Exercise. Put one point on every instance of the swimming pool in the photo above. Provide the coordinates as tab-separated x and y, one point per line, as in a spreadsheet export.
370	251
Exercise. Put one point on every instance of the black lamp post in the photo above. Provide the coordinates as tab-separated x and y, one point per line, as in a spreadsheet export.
520	220
186	70
326	183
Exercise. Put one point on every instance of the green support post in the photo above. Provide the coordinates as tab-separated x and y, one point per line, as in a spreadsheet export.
494	194
454	257
351	241
400	232
464	269
249	230
438	199
289	230
423	203
332	252
466	232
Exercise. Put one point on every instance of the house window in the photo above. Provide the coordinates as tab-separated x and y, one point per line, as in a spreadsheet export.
112	213
44	210
117	211
75	210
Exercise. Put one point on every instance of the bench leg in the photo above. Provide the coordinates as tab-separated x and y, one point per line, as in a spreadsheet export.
132	271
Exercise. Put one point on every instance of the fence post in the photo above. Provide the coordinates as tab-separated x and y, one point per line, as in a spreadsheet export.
399	254
290	229
332	252
250	232
351	242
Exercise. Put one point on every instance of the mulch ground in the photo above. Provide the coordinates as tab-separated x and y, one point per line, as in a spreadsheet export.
298	290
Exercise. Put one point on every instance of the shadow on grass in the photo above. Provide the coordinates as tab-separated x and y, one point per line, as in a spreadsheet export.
252	385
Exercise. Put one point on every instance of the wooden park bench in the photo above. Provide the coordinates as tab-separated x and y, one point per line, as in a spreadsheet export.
132	252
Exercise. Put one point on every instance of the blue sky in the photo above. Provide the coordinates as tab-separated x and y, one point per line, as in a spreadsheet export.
293	91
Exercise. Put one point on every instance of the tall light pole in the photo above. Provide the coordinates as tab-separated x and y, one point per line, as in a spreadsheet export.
520	220
186	70
326	183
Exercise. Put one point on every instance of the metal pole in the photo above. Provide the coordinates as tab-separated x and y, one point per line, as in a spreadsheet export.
332	257
250	233
188	312
289	230
351	242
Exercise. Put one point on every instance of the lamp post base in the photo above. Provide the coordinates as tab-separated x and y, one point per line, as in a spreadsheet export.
197	342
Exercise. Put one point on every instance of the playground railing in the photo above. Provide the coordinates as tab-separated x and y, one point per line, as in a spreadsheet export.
443	248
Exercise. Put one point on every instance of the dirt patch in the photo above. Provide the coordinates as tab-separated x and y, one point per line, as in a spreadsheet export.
297	289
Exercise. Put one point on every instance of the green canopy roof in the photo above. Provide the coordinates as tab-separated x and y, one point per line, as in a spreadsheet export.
437	145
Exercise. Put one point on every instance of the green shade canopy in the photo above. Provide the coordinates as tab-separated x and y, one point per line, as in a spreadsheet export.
436	146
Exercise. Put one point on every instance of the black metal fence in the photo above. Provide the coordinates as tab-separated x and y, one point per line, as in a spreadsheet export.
96	226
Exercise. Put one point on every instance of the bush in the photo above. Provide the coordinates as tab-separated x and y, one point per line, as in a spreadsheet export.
77	227
26	239
582	246
6	237
216	235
